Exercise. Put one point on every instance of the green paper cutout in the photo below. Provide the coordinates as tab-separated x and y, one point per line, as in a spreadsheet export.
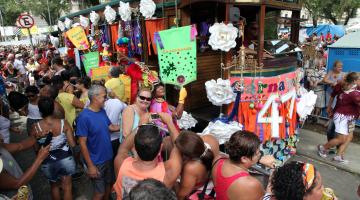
90	60
177	60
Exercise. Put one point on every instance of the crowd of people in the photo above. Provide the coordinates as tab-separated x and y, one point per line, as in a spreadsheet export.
134	150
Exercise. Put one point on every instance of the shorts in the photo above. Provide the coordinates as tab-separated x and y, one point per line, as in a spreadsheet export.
105	178
342	123
60	168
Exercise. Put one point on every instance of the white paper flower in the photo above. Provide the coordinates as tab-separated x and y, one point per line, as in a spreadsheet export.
110	14
222	36
222	131
125	11
219	92
84	21
187	121
147	8
306	103
68	23
94	18
61	25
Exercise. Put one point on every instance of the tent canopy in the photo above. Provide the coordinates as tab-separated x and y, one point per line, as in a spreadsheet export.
338	30
351	40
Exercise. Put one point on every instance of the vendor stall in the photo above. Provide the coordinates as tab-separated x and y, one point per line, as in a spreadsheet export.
231	41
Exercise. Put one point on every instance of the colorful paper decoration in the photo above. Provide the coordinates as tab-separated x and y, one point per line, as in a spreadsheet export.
222	36
84	21
94	18
110	14
125	11
100	73
219	92
147	8
90	60
61	25
68	23
78	37
177	55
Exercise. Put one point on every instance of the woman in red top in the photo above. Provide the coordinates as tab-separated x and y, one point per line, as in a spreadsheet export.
230	175
346	111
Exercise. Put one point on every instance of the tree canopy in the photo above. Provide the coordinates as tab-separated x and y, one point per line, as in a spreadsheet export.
338	11
11	9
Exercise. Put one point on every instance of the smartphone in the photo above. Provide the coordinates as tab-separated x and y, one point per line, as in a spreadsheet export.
48	139
154	116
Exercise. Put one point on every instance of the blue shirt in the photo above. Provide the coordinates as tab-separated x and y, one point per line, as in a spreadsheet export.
95	126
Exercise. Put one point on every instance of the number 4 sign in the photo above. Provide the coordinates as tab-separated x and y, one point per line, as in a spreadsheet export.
275	119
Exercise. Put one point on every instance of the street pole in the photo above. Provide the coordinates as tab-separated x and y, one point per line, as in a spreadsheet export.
30	36
2	25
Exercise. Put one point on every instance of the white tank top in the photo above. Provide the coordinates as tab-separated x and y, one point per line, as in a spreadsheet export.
33	112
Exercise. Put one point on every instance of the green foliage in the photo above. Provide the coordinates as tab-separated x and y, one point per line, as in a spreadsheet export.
338	11
12	8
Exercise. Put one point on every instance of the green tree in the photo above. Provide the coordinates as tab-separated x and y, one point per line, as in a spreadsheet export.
12	8
338	11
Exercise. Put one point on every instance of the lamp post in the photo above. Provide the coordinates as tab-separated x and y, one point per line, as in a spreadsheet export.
2	25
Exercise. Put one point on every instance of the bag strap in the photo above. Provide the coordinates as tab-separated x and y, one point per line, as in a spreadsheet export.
202	194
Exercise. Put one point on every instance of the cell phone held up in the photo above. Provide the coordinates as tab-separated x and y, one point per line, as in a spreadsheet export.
48	139
154	116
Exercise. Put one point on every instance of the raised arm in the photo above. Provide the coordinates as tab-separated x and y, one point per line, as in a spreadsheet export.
10	182
127	121
123	152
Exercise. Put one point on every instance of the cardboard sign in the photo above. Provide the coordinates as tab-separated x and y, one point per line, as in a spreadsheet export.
177	55
100	73
78	37
90	60
265	86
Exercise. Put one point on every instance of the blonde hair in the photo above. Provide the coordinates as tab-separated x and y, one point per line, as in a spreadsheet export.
336	63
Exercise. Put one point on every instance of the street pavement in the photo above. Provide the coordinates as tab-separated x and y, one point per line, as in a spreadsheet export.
344	179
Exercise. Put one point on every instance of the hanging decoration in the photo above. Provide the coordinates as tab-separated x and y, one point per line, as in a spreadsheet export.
219	92
177	55
147	8
90	61
105	54
125	11
78	37
306	103
222	36
68	23
222	131
94	18
84	21
186	121
110	14
61	26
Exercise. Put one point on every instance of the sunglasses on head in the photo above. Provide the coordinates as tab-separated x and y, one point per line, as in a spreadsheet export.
144	98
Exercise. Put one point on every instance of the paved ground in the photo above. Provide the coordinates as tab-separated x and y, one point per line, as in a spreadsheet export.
344	179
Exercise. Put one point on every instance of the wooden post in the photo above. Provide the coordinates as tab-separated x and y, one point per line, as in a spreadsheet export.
261	33
295	26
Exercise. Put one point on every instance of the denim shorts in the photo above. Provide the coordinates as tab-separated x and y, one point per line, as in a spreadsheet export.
60	168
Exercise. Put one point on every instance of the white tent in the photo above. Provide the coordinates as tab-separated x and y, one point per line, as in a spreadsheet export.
353	28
